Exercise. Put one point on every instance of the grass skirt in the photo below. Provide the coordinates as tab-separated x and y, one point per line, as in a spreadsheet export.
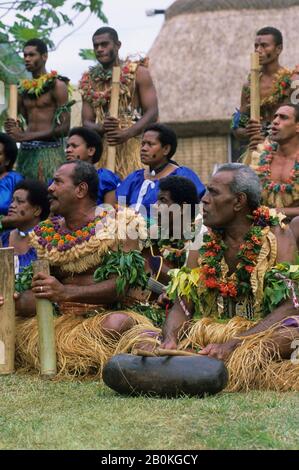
40	163
82	345
254	365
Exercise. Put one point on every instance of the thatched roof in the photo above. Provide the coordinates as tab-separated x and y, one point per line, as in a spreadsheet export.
201	58
194	6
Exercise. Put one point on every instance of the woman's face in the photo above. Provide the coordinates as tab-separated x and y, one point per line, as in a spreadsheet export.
152	153
76	149
3	160
21	212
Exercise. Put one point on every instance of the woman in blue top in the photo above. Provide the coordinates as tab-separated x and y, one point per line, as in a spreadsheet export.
8	177
141	187
29	206
85	144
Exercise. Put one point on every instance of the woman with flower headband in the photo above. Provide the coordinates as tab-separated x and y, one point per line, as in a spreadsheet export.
245	289
44	109
137	102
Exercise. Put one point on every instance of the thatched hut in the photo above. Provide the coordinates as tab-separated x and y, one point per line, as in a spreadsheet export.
200	60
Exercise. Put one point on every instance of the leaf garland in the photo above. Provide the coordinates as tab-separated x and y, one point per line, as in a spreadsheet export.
37	86
23	279
128	267
280	90
277	286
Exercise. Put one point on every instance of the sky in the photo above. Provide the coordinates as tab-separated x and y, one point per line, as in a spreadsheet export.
136	31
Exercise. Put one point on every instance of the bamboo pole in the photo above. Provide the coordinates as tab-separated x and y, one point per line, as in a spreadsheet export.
13	102
2	93
7	311
255	99
46	332
163	352
113	111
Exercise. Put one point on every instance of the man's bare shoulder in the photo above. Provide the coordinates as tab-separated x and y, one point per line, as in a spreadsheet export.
60	85
142	73
294	227
286	242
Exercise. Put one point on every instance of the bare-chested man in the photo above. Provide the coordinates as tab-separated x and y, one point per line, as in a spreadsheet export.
275	85
277	161
244	296
79	244
137	104
42	103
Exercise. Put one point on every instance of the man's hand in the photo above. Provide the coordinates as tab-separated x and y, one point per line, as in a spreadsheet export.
163	300
253	128
114	135
15	296
169	343
220	351
12	128
255	141
47	287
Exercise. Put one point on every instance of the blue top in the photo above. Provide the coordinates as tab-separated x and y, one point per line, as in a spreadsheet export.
21	261
7	187
108	181
130	187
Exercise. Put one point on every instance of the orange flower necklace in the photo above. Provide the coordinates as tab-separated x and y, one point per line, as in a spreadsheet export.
212	253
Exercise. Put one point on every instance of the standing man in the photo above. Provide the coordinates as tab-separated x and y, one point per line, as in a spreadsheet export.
43	103
275	86
277	162
138	105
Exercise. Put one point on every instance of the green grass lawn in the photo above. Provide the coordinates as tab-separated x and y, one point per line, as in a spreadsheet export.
36	414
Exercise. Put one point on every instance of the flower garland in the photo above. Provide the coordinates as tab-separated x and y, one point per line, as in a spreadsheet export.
213	250
78	250
51	234
205	283
280	89
264	172
37	86
97	77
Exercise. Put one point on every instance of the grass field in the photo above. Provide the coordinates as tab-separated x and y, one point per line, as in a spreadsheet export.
35	414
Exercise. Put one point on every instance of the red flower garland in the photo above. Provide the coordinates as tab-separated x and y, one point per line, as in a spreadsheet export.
213	250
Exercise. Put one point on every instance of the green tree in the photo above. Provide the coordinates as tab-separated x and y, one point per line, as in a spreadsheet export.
39	18
36	19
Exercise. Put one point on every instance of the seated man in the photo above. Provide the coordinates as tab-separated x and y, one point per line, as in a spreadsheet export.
175	236
245	287
91	256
